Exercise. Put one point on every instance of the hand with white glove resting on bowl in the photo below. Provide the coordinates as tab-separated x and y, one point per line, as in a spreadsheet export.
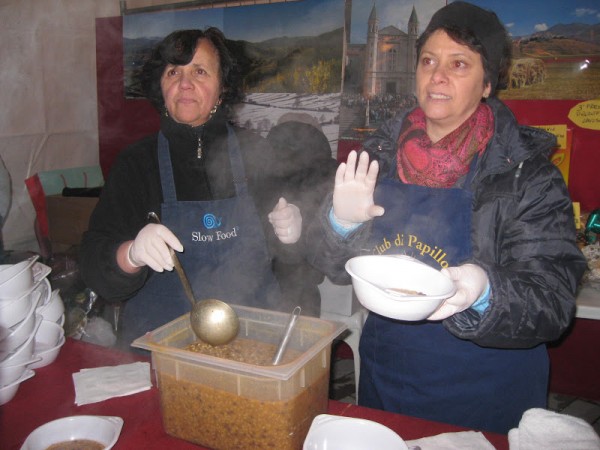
151	247
472	291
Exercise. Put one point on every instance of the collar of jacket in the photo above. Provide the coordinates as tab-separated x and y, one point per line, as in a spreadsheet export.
183	139
512	143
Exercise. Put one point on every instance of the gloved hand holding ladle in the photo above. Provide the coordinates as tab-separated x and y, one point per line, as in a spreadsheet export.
213	321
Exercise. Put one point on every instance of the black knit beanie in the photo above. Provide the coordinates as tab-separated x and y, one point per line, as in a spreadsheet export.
483	24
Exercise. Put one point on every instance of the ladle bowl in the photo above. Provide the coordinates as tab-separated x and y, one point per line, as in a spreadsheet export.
213	321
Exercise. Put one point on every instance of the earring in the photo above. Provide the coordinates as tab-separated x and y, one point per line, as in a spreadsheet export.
166	112
214	109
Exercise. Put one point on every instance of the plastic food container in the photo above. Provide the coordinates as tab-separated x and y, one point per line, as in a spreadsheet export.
224	404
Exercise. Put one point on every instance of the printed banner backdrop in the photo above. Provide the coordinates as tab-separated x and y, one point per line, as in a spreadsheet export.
555	74
290	53
281	47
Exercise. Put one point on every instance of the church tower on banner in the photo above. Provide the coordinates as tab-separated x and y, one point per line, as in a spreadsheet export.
369	78
390	58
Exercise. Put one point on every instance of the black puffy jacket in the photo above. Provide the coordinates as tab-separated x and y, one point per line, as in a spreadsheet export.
523	236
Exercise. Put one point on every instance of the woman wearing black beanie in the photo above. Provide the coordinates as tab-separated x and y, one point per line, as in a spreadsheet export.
460	174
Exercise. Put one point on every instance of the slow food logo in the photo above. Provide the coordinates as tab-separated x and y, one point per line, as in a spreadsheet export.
211	223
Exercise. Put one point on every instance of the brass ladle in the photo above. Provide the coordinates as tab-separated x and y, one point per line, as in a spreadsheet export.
213	321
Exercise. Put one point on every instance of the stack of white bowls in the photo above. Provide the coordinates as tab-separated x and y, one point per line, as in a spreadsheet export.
31	318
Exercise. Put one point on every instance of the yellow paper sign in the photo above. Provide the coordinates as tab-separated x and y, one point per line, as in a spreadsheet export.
577	214
561	157
560	131
586	114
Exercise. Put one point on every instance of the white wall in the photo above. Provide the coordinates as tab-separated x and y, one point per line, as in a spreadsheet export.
48	104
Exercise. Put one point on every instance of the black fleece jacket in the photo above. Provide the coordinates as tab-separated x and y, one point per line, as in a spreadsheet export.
133	189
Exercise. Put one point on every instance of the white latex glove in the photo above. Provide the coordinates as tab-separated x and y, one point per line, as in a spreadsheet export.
287	221
471	281
151	248
353	193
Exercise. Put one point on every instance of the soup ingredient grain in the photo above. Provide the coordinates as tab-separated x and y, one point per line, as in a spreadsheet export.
243	350
226	421
245	413
407	292
77	444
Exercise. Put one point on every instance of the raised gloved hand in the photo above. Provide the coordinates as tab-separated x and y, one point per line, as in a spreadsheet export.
353	193
151	248
471	282
287	221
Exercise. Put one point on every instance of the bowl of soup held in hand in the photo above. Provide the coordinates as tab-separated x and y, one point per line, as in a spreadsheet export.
398	286
76	433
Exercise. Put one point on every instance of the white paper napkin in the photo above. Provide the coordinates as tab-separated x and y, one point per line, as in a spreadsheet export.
102	383
462	440
540	429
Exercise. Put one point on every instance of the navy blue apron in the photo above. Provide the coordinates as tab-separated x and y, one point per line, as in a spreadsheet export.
225	252
419	368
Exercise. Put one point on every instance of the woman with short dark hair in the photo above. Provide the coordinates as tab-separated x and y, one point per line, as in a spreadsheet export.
214	187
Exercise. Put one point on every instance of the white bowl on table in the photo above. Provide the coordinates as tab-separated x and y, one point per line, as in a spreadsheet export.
43	287
329	432
53	308
49	339
14	311
415	290
102	429
16	279
48	334
9	373
40	271
47	355
24	352
9	391
16	335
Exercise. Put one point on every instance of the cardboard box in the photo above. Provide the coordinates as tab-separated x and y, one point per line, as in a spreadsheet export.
68	218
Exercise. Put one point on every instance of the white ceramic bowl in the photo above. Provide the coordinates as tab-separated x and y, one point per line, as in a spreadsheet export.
46	354
48	335
14	311
19	333
25	351
103	429
398	272
16	279
43	287
53	308
329	432
9	373
40	271
8	392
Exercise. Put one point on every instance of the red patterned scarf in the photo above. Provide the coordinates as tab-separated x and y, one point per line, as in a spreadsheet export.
441	164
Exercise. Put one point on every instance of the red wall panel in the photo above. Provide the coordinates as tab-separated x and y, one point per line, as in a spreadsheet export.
121	121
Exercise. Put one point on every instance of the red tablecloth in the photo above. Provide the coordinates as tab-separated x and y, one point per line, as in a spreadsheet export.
50	395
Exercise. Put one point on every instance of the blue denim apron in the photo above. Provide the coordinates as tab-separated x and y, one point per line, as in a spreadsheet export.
419	368
225	252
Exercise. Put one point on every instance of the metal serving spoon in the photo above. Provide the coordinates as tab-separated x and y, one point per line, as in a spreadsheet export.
286	335
213	321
